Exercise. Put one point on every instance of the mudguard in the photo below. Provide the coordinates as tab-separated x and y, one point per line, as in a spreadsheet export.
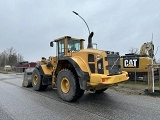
80	67
46	73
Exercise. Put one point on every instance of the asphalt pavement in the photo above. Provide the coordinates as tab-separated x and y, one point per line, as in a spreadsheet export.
19	103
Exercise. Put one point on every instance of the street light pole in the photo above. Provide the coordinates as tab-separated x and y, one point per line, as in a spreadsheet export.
90	34
83	20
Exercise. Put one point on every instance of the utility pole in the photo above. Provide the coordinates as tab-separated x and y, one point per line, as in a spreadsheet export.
5	61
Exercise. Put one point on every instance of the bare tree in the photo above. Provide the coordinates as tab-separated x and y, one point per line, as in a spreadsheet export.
2	59
19	58
158	61
10	57
134	50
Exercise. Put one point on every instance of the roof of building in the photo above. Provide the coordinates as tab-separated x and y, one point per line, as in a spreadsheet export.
26	64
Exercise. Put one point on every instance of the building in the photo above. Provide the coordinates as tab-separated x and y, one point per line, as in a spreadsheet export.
21	66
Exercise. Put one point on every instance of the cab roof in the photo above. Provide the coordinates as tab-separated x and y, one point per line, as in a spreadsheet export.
68	37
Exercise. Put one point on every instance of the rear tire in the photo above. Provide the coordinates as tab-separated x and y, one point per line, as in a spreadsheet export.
68	86
37	81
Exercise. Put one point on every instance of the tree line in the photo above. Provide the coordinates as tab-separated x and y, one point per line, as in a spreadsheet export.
10	57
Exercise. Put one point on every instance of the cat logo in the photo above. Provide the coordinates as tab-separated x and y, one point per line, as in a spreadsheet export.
131	63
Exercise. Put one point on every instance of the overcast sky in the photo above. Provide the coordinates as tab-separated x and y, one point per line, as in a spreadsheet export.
29	25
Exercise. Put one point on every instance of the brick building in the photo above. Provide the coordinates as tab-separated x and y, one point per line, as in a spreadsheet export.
21	66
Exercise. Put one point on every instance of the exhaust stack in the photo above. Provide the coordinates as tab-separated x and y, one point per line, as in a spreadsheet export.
90	40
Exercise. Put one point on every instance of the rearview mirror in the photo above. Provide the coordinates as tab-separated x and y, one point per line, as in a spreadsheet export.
51	44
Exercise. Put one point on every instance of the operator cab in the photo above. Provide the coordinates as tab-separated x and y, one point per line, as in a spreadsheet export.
66	45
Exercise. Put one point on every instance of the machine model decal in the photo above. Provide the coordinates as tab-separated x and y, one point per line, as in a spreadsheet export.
131	63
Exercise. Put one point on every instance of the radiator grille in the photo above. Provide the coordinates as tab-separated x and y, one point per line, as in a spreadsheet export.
113	64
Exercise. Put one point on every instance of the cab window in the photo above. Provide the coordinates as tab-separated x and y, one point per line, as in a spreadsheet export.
74	45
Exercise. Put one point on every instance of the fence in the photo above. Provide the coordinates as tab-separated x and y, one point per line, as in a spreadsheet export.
142	76
151	77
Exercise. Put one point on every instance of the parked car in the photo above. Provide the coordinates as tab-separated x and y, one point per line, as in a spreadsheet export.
7	68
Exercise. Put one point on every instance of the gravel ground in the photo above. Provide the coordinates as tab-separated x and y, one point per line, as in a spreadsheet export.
138	88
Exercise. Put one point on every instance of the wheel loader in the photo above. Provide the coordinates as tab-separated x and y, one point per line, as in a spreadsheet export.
75	69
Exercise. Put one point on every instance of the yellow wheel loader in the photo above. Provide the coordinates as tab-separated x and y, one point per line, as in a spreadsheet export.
75	69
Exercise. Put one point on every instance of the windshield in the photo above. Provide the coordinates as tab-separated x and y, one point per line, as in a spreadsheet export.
74	45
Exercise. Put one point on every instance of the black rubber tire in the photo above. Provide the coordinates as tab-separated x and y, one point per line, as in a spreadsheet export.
101	91
74	92
38	86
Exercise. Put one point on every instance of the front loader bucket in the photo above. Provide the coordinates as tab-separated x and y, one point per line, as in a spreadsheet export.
27	79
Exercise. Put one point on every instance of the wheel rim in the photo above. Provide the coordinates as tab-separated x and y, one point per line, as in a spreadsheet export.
65	85
35	80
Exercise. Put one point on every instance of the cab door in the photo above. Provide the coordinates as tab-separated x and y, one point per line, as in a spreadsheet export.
61	49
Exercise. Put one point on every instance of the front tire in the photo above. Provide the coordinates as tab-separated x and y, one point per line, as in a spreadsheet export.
37	81
68	86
